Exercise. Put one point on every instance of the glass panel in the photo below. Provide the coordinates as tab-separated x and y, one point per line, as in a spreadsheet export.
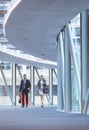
75	97
77	41
76	31
76	38
54	88
4	96
45	73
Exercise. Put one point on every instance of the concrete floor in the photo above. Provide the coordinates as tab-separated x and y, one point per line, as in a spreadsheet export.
37	118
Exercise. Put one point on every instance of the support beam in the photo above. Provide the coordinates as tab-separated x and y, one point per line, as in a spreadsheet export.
85	59
37	72
14	82
55	72
85	53
32	86
86	105
59	80
62	63
19	71
67	78
51	86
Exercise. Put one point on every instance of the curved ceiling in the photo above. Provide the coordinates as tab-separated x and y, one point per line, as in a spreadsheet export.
13	59
34	24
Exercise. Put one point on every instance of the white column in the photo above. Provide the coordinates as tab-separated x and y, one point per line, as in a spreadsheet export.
50	86
59	80
14	82
85	59
62	63
67	74
85	53
32	86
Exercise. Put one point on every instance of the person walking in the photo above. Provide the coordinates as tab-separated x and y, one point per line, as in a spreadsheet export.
25	87
41	84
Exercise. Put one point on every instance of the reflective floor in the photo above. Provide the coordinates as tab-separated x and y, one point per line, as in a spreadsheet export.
37	118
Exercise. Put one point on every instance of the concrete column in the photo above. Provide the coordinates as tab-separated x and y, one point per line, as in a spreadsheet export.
50	86
59	80
67	74
85	53
32	86
14	83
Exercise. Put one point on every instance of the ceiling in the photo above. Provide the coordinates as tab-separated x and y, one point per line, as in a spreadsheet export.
4	57
34	24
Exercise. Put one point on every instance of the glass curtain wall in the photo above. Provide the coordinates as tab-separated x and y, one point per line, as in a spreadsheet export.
45	73
5	83
75	28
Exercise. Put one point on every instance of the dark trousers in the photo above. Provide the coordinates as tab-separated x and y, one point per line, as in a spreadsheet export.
24	93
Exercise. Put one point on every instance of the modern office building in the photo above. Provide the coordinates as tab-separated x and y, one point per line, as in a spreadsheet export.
50	38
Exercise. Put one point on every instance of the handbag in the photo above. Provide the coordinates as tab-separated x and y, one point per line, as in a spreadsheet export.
45	89
19	101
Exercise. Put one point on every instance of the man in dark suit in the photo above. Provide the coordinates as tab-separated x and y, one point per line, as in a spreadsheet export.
25	87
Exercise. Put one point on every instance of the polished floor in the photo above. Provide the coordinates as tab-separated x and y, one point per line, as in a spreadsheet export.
37	118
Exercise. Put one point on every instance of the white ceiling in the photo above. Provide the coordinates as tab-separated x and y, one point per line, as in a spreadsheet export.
13	59
34	24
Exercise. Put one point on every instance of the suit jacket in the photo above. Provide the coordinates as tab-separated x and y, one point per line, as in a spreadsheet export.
27	85
39	85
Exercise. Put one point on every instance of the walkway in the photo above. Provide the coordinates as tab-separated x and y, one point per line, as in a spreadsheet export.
36	118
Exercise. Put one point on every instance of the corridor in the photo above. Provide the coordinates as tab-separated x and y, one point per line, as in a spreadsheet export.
37	118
